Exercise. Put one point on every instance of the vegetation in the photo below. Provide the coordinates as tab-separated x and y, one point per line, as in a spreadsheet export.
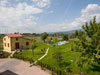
6	54
80	56
44	36
61	57
65	37
89	44
32	46
1	42
27	54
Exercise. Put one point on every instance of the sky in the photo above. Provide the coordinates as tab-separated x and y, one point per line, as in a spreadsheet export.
37	16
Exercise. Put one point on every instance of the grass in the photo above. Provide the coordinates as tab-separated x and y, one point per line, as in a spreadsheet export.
6	54
67	57
37	52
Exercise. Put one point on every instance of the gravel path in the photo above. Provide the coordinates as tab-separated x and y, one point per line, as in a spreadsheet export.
10	66
42	56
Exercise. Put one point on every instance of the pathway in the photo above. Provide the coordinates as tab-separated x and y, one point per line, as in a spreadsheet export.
12	53
42	56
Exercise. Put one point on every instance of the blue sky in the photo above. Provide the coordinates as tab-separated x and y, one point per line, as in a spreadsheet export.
46	15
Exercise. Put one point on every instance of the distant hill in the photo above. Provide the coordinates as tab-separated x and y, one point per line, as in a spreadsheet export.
65	32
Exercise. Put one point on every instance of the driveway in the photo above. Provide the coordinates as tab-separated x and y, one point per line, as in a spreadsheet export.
10	66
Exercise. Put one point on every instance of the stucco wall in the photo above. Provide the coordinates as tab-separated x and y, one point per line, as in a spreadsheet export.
6	40
22	43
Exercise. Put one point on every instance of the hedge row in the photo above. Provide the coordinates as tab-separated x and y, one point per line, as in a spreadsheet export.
58	72
23	58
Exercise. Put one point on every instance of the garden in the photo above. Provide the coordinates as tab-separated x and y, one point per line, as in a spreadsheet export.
61	59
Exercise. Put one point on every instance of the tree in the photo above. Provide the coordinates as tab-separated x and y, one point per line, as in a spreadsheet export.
32	46
89	42
44	36
76	33
65	37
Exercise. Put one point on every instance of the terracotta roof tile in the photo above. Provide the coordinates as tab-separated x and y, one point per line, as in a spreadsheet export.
14	35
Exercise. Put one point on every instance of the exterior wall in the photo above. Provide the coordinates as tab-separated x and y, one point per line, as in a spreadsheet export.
21	41
12	40
6	40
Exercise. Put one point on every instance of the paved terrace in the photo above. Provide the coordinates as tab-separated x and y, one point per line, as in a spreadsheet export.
19	67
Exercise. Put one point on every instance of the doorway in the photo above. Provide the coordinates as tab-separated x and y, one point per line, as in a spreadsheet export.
17	45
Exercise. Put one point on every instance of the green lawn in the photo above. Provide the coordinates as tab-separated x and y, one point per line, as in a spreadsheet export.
67	58
37	52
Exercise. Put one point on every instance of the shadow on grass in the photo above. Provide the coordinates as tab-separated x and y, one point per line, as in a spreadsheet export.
35	47
39	53
63	64
95	68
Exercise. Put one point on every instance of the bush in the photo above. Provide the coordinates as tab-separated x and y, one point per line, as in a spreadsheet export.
5	54
58	72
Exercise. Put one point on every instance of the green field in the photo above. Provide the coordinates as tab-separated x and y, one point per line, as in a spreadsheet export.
37	53
67	58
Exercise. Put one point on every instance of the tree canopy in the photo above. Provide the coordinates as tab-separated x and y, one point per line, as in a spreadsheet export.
89	41
65	37
44	36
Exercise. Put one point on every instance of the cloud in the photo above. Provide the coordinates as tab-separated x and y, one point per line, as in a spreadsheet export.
19	17
91	8
87	14
42	3
3	2
55	27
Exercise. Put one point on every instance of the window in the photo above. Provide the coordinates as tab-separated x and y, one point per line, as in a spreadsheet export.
8	44
16	39
5	39
27	43
5	44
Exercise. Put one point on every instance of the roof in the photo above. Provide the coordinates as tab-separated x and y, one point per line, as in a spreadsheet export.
14	35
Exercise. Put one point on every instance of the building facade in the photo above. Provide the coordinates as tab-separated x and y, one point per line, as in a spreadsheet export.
15	41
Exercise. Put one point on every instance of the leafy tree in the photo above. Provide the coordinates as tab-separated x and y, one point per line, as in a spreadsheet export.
32	46
71	35
76	33
44	36
65	37
89	42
